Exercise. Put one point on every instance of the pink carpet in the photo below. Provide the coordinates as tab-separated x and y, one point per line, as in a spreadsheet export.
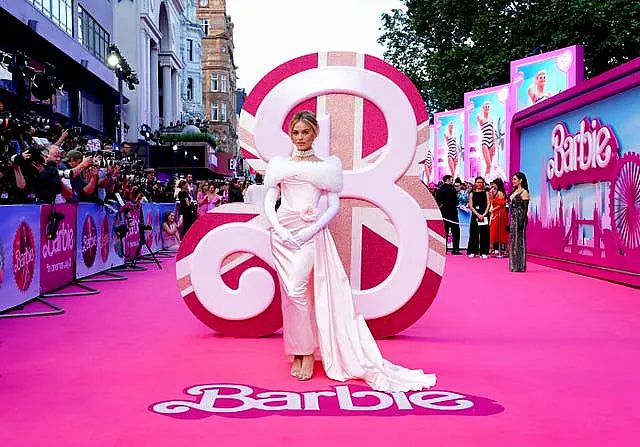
547	357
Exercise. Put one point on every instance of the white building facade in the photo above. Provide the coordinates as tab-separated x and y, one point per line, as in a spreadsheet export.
149	35
192	34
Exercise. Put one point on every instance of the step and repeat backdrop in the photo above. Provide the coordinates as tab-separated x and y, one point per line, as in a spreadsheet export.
44	248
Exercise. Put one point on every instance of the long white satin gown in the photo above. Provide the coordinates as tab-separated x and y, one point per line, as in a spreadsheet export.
317	304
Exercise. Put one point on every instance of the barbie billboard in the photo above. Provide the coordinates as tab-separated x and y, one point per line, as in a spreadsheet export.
486	134
540	77
428	173
581	152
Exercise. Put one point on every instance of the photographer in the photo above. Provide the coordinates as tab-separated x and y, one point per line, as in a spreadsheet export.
54	158
36	176
110	180
152	187
83	174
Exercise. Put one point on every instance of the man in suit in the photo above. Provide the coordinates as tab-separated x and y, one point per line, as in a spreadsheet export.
447	198
235	191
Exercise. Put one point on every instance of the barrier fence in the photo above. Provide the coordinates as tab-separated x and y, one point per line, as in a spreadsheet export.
86	244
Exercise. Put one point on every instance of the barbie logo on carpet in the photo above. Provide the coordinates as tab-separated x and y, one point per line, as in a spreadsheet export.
242	401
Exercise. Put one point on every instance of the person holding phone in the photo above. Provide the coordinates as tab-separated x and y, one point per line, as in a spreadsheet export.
479	228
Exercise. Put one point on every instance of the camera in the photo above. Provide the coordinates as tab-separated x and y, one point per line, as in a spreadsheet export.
53	223
18	133
36	157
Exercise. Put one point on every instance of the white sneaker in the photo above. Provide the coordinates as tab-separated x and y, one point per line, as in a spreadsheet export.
472	255
484	257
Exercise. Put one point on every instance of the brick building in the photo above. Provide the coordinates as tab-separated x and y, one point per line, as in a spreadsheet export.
219	73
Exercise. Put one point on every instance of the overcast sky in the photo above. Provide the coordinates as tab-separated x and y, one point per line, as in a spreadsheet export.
270	32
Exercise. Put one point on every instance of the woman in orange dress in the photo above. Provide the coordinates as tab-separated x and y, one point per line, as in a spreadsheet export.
499	219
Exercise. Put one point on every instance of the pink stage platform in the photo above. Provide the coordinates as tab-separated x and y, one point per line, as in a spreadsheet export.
545	358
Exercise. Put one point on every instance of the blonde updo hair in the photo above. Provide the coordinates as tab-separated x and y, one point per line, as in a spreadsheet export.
308	117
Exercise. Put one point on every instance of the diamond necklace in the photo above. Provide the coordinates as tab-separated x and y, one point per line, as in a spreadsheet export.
303	154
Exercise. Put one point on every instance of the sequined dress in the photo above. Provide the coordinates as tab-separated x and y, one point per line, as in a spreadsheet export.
518	234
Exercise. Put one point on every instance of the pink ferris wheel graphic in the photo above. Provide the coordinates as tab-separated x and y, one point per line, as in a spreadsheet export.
624	202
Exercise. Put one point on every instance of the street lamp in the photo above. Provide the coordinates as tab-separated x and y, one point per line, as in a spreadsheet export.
113	60
117	63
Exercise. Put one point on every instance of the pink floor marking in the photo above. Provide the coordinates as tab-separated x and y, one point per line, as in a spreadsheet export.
558	351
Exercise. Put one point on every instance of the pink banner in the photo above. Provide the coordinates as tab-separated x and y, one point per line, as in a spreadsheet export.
57	255
132	240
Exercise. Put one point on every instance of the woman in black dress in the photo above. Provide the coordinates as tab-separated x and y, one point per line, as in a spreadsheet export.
518	228
479	227
185	207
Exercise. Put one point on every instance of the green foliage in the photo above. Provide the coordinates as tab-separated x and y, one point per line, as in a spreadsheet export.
188	138
448	47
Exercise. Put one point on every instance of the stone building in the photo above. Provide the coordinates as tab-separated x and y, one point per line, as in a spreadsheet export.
192	108
219	73
149	36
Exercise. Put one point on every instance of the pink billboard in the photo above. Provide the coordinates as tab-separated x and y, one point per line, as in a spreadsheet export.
543	76
581	153
57	246
427	162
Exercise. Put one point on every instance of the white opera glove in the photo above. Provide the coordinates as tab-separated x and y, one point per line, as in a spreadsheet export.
333	207
305	234
286	236
270	212
269	205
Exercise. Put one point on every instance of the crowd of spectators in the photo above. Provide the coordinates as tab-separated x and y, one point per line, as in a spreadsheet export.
195	198
71	171
487	207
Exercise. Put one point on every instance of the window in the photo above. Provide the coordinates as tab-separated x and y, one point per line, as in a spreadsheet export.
204	23
214	82
92	36
224	111
190	49
92	111
63	103
214	111
223	82
189	89
59	11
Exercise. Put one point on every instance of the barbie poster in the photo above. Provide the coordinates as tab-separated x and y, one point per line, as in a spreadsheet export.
487	112
540	77
449	144
427	175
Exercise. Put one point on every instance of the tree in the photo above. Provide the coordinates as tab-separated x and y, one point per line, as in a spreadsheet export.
448	47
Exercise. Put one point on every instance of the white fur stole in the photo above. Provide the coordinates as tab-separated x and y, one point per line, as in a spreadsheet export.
325	175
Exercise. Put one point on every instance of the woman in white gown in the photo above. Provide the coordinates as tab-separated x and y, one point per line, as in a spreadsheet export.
319	319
